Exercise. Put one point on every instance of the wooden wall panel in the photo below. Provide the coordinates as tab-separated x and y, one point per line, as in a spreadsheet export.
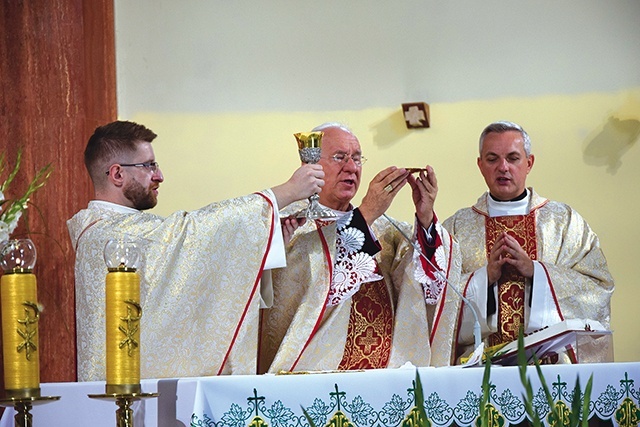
57	83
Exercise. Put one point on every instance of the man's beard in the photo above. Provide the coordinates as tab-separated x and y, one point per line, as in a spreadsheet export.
141	197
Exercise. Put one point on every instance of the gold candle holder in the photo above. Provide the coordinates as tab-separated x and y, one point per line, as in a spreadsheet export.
20	316
123	316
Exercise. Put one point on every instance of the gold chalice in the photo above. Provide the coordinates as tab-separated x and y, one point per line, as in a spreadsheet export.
309	145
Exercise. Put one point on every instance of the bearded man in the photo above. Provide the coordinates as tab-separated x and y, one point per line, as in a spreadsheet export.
200	271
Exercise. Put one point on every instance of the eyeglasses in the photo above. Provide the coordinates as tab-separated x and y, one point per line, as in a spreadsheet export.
358	159
152	166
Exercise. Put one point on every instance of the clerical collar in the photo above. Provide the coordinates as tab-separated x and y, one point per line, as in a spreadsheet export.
515	199
517	206
339	214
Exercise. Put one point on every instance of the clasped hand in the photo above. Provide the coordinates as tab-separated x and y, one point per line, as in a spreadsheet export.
507	250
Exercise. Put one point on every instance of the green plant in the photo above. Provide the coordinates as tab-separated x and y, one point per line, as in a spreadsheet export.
308	417
579	413
419	393
11	209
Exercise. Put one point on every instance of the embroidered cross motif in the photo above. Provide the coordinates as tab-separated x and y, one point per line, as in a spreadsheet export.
511	286
369	340
132	327
29	332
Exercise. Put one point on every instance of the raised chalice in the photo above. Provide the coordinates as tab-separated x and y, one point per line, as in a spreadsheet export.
309	145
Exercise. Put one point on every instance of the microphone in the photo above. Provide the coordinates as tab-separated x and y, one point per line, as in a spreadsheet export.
476	325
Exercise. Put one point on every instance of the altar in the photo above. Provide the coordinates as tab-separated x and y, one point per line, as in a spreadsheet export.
384	397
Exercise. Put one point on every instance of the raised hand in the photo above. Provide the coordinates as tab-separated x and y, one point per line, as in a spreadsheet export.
305	181
382	189
424	190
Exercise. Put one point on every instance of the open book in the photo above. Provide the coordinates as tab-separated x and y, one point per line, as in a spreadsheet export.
556	338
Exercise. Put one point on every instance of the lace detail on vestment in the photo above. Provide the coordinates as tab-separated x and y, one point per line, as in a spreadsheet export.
352	267
433	282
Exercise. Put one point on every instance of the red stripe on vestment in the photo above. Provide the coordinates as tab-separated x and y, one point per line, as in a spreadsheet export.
255	285
441	303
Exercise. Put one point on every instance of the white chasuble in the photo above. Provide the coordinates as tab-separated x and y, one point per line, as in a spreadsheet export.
307	327
199	276
571	277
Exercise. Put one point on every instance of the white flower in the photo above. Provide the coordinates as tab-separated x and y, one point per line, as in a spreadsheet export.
14	223
11	208
4	231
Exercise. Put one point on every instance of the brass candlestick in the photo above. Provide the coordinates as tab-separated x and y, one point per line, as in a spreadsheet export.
20	316
23	405
123	315
309	149
124	413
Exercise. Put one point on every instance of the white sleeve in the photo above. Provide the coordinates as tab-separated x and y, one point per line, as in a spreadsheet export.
276	256
543	310
266	290
477	294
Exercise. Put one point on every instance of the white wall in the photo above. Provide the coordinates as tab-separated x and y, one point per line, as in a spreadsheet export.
226	84
300	55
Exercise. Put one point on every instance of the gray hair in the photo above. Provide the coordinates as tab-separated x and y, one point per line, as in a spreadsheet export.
505	126
328	125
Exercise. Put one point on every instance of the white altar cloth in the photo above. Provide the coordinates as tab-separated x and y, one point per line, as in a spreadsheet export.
376	397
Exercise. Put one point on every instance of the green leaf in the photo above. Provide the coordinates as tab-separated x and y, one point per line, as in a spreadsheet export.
486	390
587	402
308	417
420	400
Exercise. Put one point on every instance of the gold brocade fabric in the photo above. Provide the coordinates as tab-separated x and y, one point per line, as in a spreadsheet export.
567	249
199	286
301	333
511	286
369	334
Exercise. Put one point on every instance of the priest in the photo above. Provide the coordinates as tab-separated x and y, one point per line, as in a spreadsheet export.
527	262
354	294
200	271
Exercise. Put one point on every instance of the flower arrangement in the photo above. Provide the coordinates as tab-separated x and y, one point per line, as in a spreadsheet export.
11	209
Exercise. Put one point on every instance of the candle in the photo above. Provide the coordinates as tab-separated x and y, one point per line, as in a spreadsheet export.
20	315
123	314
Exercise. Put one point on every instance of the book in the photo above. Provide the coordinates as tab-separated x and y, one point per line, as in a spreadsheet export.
556	338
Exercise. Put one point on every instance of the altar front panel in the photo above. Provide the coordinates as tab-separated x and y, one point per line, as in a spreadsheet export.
383	397
386	397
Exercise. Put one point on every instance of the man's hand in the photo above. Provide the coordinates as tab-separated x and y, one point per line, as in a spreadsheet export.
507	250
424	190
289	226
382	189
305	181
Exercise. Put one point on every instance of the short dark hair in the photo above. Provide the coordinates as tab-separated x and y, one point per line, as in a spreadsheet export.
108	142
505	126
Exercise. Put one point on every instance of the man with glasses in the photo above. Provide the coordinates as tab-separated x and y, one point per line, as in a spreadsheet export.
200	271
354	294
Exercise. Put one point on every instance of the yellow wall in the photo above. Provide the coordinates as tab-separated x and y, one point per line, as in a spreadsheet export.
585	147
